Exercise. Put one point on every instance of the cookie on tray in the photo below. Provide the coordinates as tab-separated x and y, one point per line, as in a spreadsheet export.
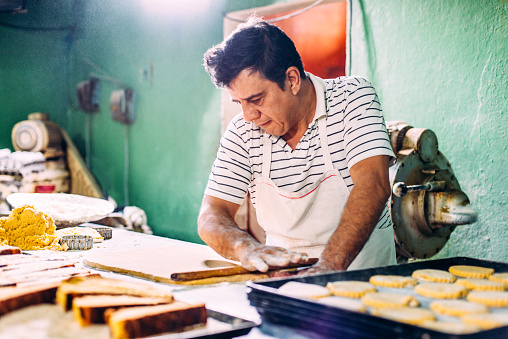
387	299
481	284
451	327
408	315
350	289
432	275
393	281
489	298
468	271
346	303
303	290
457	308
441	291
500	277
486	321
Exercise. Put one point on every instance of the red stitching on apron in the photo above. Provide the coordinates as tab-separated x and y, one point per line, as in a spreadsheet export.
332	175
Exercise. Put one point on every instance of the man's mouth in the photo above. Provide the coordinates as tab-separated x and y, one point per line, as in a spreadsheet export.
264	124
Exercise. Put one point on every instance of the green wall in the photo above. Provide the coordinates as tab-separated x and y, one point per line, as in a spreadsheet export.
443	65
46	51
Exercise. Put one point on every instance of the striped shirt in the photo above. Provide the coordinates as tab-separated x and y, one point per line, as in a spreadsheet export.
355	129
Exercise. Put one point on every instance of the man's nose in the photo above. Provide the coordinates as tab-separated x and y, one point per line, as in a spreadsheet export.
250	113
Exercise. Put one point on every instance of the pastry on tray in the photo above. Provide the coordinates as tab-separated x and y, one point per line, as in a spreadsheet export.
433	275
304	290
393	281
468	271
457	308
350	289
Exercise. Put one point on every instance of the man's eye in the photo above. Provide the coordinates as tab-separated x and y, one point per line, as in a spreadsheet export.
256	101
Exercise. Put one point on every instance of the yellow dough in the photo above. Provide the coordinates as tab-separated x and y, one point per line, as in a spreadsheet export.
452	327
486	321
500	277
303	290
467	271
481	284
387	299
350	289
433	275
441	291
409	315
394	281
489	298
347	303
30	229
457	308
3	238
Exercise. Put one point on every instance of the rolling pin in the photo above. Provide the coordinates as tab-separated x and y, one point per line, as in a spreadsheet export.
225	271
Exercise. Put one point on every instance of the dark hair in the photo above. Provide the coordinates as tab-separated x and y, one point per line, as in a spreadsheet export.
255	45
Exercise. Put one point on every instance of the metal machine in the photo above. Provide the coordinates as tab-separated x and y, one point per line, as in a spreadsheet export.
426	202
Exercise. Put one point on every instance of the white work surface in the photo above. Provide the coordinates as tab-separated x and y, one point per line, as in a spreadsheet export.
49	321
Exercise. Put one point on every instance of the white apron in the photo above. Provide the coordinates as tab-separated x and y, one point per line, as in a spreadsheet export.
304	221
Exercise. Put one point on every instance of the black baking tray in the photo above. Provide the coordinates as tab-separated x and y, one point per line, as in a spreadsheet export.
219	326
331	322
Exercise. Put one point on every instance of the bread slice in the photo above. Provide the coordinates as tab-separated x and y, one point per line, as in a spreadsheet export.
8	250
90	309
13	298
81	286
135	322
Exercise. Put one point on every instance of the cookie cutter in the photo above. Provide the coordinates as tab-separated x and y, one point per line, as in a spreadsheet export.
105	232
77	242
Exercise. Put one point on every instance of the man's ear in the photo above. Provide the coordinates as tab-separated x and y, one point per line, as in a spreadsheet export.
293	79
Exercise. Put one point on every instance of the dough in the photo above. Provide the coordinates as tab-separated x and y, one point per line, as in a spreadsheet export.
387	299
489	298
486	321
441	291
467	271
346	303
500	277
394	281
31	229
409	315
350	289
457	308
434	276
481	284
205	281
303	290
452	327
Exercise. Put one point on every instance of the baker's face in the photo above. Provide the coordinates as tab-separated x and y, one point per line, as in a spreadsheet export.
263	102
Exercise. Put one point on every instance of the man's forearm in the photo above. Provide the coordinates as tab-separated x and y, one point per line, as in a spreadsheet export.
219	231
359	218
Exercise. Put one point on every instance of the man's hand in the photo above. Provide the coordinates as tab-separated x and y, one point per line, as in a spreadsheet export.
218	229
321	267
263	258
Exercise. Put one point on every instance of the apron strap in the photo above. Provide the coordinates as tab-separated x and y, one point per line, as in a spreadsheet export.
324	144
267	155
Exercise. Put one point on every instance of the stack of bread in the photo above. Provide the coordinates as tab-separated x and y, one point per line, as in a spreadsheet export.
464	299
130	309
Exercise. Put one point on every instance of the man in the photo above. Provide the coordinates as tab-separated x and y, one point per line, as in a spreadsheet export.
313	154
